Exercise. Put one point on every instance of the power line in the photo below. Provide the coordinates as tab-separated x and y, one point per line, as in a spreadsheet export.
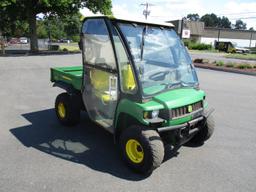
241	13
146	11
254	17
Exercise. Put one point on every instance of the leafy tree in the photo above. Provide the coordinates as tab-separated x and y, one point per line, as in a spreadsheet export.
72	24
56	27
240	24
41	29
210	20
27	10
224	22
251	29
5	26
193	17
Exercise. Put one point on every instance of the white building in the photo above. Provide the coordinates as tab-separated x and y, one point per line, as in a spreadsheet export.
200	33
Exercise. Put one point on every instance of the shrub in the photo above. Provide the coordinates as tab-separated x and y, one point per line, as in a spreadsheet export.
219	63
199	46
192	44
75	38
245	66
65	49
230	65
186	43
198	60
248	66
53	47
241	66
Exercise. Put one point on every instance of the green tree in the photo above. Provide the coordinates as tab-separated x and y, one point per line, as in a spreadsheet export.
54	27
41	29
240	24
193	17
27	10
59	27
210	20
72	24
224	22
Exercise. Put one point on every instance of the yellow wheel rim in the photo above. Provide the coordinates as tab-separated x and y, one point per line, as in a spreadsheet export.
134	151
61	110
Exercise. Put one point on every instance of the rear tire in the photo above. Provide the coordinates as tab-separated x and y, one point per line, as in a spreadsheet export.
142	149
67	109
205	132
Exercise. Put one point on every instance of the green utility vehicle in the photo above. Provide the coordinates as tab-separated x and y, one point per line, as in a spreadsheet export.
138	82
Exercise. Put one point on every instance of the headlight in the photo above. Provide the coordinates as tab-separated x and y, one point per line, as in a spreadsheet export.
150	114
154	114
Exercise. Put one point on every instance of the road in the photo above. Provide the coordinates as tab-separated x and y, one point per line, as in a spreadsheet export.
218	57
37	154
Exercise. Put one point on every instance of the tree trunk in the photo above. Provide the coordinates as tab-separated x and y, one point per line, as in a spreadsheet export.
33	34
2	43
2	47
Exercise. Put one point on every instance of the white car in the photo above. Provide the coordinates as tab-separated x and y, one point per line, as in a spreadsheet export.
242	50
23	40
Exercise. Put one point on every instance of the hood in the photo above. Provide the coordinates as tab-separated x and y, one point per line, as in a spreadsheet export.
179	97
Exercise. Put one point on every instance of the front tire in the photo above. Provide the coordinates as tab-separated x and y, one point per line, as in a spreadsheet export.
67	109
142	149
205	132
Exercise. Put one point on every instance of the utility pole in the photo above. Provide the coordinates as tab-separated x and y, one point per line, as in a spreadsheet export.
182	23
181	27
251	39
146	11
218	34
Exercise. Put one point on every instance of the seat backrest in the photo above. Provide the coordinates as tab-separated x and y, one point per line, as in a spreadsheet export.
99	80
128	78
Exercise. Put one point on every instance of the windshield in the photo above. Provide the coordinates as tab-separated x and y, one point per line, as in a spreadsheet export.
162	62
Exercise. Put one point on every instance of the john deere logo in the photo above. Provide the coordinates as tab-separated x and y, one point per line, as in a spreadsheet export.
190	109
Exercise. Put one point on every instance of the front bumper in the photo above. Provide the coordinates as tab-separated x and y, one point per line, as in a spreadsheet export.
185	131
181	126
192	123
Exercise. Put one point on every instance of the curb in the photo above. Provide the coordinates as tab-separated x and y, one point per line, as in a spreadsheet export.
42	53
240	58
225	69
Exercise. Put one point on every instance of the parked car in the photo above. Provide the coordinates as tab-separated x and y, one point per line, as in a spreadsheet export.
241	50
23	40
13	41
65	41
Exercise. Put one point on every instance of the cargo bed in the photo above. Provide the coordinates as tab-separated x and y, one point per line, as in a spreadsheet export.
70	75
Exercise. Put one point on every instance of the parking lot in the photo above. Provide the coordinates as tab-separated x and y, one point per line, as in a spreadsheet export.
38	154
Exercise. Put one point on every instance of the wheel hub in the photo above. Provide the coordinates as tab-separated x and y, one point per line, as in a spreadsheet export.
134	151
61	110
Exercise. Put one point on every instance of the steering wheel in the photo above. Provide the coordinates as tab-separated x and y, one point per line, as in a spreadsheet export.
158	76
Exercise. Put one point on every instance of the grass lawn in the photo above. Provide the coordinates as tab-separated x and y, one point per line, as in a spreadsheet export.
204	51
242	56
69	46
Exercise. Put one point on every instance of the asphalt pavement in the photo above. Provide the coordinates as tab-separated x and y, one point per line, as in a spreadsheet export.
38	154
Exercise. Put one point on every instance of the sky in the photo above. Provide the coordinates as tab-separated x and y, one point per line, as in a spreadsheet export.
166	10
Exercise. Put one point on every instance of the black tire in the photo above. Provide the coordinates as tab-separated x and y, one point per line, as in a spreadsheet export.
152	147
71	106
205	132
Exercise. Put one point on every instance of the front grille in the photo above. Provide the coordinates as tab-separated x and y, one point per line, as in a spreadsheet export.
184	110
